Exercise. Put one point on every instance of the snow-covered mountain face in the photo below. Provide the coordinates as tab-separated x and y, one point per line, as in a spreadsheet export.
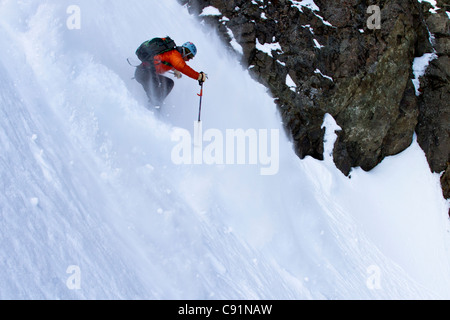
101	201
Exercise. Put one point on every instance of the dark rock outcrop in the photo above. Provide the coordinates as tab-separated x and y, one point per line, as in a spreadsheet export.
344	63
433	129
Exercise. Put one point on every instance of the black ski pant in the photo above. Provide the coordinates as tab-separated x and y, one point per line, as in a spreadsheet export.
156	86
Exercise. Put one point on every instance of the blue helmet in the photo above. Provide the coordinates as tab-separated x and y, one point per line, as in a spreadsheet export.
192	49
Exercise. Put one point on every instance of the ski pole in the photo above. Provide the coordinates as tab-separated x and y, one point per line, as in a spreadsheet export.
200	106
129	62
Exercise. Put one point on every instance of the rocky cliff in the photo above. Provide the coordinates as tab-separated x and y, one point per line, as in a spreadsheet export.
352	59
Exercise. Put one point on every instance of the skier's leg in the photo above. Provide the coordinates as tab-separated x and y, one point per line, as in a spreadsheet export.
142	75
147	79
165	87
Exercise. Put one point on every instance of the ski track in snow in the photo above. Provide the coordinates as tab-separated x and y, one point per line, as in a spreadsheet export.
87	180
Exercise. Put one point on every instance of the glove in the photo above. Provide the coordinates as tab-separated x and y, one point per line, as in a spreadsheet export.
177	74
202	78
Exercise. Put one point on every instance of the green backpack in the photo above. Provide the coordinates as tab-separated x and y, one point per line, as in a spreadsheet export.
153	47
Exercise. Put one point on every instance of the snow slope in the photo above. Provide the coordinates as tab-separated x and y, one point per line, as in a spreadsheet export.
94	207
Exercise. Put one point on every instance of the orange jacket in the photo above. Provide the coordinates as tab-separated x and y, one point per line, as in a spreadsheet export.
175	61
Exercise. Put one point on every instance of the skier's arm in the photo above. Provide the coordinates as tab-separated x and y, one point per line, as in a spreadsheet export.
179	64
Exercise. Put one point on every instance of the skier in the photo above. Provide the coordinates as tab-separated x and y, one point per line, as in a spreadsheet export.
150	72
